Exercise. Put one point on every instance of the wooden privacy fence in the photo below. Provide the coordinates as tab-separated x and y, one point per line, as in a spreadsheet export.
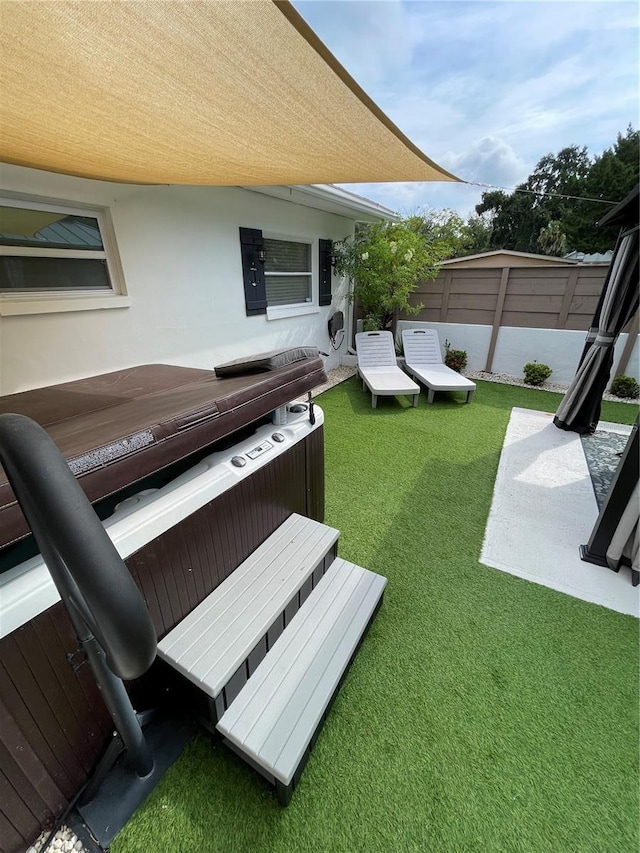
543	297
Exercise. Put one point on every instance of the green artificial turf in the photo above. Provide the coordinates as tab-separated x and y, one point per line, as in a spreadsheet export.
482	713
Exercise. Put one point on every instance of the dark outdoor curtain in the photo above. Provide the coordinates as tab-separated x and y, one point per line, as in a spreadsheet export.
580	407
625	542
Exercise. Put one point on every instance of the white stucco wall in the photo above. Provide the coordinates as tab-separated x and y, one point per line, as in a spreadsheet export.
474	339
180	253
559	348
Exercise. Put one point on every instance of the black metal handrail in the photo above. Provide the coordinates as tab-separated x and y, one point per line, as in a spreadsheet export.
105	605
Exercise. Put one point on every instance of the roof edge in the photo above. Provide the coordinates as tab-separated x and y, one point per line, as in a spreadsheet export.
328	198
516	254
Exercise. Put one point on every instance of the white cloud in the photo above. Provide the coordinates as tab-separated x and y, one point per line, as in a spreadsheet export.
490	160
487	88
536	23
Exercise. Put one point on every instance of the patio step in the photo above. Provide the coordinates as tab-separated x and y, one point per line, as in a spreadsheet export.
268	648
222	641
275	719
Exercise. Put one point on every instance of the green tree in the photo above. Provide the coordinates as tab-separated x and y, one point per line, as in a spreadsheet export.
554	192
386	261
439	227
477	235
463	237
612	176
515	220
551	240
558	175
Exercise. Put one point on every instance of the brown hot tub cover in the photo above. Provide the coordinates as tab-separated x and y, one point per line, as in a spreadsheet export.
117	428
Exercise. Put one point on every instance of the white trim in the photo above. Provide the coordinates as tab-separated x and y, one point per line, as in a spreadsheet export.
59	302
296	274
109	254
31	202
330	199
549	259
46	252
281	312
358	203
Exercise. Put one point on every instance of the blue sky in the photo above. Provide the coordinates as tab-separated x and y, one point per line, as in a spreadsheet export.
486	88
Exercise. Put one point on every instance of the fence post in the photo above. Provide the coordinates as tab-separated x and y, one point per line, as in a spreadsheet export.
567	299
497	317
446	290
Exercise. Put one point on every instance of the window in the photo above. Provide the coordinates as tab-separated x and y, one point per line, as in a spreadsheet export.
284	277
49	253
287	272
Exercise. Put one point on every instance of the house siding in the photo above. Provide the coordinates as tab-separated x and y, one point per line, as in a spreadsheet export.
180	254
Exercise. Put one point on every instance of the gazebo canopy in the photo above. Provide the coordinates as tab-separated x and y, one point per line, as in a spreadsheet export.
625	213
218	92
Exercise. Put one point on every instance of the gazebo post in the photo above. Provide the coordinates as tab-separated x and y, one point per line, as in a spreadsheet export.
624	482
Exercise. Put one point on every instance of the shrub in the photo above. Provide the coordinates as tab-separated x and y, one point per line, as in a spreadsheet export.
536	374
625	386
371	323
456	359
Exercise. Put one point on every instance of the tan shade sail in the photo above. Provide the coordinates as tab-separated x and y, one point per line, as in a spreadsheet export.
213	92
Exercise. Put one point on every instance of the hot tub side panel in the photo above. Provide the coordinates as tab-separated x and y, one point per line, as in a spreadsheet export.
53	725
179	569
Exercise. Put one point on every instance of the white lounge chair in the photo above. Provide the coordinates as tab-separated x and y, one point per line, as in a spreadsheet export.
378	367
423	360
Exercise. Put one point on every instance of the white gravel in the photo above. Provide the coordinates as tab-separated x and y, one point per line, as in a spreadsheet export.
505	379
334	377
64	841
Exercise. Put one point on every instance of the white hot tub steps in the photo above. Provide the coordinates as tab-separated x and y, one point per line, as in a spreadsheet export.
270	646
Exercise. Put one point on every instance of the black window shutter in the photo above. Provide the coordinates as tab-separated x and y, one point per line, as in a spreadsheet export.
255	294
324	247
